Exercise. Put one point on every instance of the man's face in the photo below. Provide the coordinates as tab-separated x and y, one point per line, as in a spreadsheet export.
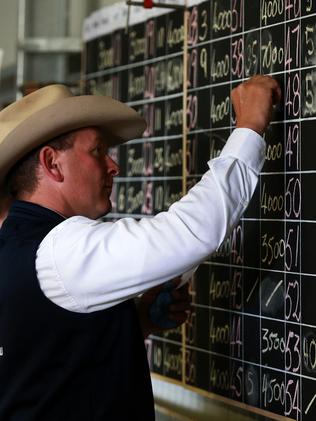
88	174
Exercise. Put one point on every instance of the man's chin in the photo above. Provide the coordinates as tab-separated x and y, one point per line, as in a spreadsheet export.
106	209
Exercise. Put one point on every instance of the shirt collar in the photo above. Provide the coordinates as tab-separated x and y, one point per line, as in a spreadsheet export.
21	208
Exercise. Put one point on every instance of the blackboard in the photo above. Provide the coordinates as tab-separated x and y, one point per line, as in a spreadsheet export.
251	336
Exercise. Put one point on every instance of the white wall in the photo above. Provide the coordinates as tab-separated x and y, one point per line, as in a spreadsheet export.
45	18
42	21
8	31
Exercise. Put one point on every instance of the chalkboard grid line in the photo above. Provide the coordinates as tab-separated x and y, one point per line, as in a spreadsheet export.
300	239
213	85
150	178
154	100
307	221
288	172
293	120
142	215
242	222
125	215
297	70
193	176
152	139
259	269
244	79
213	129
260	254
129	66
229	357
274	319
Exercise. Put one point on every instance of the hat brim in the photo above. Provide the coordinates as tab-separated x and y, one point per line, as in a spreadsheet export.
121	122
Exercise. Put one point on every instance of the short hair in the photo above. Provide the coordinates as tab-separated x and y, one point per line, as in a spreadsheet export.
23	176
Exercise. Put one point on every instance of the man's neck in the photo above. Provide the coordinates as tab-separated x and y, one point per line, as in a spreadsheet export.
46	202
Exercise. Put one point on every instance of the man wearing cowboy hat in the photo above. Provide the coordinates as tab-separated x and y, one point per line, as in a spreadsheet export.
71	343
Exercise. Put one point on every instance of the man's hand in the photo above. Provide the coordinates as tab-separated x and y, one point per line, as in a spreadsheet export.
164	307
253	102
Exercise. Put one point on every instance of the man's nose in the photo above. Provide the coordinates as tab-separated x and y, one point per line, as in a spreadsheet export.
112	167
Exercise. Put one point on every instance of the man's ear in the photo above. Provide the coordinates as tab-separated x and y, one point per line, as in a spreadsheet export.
50	163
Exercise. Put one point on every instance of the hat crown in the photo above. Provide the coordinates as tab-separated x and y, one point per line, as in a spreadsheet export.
16	113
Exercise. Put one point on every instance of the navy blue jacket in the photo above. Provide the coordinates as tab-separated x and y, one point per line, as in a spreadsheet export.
59	365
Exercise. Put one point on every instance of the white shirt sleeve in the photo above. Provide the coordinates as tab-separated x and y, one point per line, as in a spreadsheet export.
86	265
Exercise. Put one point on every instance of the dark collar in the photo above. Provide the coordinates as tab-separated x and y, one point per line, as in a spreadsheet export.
22	209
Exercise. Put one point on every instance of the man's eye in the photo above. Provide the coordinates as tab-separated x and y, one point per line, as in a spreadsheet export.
97	151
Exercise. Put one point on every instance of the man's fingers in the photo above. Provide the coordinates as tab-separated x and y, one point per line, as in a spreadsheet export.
272	84
268	83
253	102
277	95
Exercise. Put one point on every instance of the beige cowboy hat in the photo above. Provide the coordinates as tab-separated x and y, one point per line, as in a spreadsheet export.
54	110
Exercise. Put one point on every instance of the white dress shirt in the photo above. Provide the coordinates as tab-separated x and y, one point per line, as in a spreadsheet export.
86	265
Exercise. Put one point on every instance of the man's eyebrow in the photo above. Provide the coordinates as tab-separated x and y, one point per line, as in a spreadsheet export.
100	139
